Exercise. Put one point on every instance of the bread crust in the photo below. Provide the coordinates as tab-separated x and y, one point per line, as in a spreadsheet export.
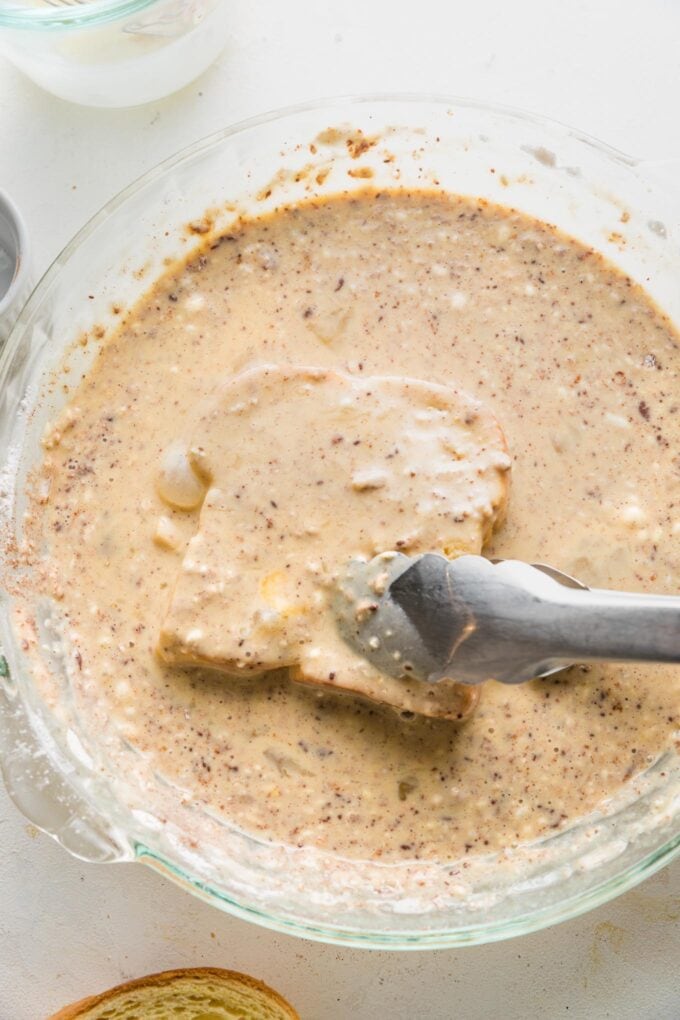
78	1010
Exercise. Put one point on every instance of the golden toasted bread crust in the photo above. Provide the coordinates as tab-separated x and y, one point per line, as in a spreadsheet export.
78	1010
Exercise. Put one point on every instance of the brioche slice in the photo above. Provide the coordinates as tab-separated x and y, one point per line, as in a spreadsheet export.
305	469
200	993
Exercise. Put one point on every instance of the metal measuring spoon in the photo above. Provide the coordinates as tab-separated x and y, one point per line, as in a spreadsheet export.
473	619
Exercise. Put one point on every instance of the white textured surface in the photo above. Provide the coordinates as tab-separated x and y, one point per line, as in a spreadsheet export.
609	67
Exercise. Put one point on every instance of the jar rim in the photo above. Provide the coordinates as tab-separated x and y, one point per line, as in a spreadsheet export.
73	14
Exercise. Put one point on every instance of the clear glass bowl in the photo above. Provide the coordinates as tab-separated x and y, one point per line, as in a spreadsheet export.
51	767
112	52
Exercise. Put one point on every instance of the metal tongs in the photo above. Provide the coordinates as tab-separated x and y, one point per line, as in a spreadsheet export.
472	619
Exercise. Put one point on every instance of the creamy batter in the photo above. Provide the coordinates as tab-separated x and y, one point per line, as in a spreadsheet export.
577	366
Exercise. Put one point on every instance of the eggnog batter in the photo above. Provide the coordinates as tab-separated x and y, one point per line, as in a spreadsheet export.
580	371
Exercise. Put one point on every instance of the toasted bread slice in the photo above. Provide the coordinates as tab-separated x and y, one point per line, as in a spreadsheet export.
189	994
305	469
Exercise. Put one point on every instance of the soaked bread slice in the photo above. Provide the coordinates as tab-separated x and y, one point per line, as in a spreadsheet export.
303	470
190	994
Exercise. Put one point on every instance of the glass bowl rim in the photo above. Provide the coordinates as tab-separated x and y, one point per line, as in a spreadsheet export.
222	134
482	933
459	938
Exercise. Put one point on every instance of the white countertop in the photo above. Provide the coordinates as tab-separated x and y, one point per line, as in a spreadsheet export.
68	929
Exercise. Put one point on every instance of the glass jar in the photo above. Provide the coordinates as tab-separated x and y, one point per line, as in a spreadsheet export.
112	52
